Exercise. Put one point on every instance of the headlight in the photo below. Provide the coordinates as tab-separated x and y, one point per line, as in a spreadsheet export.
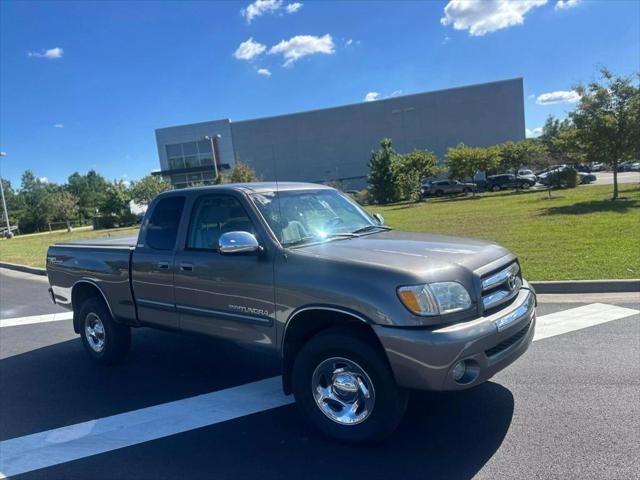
435	298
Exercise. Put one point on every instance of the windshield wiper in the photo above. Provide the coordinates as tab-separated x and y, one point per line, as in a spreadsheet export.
368	228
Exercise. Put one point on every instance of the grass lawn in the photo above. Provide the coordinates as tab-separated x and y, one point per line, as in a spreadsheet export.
581	234
32	249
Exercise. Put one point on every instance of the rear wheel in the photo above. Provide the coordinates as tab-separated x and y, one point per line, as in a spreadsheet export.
495	188
105	341
344	387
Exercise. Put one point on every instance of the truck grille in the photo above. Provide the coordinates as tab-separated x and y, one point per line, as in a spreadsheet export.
512	340
499	287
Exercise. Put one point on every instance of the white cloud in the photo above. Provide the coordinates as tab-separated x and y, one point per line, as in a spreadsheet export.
302	45
293	7
566	4
259	8
43	180
262	7
560	96
533	132
395	93
265	72
249	49
446	39
485	16
533	95
371	96
58	125
51	53
348	42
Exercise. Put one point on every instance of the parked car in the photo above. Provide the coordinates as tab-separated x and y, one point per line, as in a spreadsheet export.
635	167
598	167
357	313
625	166
445	187
508	181
528	174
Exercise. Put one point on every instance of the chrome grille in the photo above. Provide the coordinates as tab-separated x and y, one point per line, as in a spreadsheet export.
501	286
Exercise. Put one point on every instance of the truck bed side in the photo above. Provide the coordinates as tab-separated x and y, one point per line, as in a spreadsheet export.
101	264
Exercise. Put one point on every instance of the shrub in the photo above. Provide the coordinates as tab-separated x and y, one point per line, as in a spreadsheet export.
567	178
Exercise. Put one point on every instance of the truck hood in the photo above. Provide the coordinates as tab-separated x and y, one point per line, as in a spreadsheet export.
422	254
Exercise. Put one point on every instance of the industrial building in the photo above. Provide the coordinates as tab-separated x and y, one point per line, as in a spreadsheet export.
334	144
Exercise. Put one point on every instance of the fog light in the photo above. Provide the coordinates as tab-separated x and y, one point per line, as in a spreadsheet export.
459	370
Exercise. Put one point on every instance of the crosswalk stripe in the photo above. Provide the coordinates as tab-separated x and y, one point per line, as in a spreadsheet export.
52	447
51	317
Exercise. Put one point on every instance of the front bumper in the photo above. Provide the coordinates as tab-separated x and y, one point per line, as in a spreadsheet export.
424	358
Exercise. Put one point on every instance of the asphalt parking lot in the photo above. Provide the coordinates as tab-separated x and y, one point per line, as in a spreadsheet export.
570	408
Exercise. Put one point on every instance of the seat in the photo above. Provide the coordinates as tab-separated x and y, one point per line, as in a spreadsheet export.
208	229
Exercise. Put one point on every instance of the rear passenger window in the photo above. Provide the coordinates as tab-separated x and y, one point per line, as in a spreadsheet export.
162	228
214	215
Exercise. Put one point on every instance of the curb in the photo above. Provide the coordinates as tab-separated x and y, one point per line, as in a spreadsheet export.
587	286
23	268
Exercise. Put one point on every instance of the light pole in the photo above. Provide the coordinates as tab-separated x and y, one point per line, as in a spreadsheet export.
9	233
211	139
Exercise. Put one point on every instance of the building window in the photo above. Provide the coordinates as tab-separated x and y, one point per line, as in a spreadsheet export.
190	154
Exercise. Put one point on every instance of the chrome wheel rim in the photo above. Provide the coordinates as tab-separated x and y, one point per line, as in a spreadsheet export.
94	330
343	391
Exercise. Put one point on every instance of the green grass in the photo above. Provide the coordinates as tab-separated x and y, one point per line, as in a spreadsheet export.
32	249
579	234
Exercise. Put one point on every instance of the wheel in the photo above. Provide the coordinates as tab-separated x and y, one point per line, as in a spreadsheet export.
495	188
105	341
344	387
466	191
439	193
526	185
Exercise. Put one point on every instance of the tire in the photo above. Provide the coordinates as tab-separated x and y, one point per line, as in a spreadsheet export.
378	414
495	188
106	341
439	193
525	186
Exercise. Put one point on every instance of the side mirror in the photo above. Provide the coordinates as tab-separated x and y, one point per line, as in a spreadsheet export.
238	242
378	218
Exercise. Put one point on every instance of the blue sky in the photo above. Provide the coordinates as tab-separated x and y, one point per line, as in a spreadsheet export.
84	84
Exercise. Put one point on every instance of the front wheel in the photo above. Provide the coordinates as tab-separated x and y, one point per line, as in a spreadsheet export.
105	341
344	387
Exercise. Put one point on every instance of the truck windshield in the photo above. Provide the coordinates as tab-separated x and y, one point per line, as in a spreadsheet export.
308	216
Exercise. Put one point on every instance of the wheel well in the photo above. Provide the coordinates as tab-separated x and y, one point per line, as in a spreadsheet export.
309	323
81	292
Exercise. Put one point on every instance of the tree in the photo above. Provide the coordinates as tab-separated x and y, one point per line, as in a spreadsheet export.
381	184
551	129
64	206
116	200
607	119
514	155
243	173
36	211
147	188
409	169
464	162
90	190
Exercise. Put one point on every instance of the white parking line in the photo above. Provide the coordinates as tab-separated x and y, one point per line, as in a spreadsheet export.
52	317
65	444
579	318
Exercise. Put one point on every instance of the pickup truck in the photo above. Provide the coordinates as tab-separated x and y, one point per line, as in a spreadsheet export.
358	313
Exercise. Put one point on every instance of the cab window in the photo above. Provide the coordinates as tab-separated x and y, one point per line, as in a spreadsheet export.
162	227
214	215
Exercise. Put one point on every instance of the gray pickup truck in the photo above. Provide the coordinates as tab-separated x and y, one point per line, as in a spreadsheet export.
358	313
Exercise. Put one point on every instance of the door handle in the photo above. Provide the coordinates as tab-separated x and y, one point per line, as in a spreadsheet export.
163	265
186	267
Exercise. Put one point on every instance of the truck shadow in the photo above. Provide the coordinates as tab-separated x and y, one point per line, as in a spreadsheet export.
451	434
